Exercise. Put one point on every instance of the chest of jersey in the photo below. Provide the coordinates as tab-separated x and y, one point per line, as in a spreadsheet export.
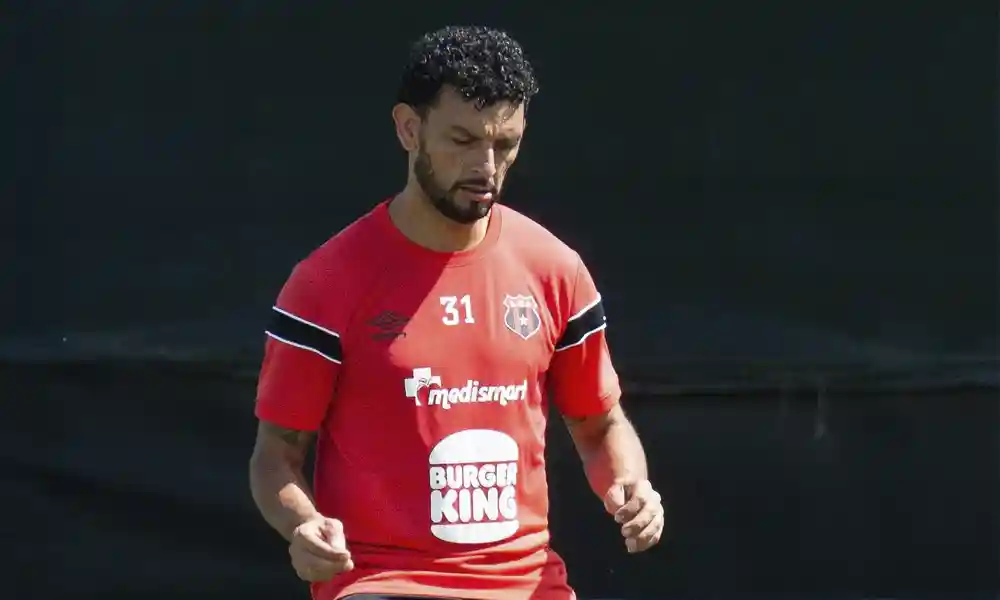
471	338
438	415
447	370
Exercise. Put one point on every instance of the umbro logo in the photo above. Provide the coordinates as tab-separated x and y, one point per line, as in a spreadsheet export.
389	325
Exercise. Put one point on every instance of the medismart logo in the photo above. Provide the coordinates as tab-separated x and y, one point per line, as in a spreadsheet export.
425	384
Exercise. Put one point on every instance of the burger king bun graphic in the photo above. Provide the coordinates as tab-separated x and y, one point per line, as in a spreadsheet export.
473	482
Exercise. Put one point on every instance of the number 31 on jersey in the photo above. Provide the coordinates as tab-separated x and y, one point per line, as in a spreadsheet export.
457	310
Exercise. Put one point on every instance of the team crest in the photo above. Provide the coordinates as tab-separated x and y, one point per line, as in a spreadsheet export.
522	315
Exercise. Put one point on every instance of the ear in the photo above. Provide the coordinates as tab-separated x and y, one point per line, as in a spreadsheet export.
407	126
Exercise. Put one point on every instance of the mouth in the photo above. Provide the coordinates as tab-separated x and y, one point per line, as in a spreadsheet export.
480	194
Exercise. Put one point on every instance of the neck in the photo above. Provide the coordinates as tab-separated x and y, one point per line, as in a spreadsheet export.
414	215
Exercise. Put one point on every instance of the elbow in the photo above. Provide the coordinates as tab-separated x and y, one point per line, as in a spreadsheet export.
268	475
257	459
264	468
257	476
592	434
267	466
592	443
256	465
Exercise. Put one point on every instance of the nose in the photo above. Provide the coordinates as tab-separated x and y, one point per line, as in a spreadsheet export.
484	164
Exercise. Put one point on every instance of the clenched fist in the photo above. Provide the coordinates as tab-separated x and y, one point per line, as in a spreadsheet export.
319	550
637	507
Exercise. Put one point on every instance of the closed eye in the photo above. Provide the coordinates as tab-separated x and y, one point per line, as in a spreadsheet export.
506	145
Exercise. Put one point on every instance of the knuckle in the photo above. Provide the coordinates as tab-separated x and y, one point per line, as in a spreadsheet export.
336	525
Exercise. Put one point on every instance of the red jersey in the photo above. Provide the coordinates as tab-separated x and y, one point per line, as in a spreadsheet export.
426	375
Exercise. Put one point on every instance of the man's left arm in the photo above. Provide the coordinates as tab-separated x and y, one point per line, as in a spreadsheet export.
609	449
584	387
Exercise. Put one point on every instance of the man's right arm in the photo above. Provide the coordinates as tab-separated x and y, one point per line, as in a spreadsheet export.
302	359
277	481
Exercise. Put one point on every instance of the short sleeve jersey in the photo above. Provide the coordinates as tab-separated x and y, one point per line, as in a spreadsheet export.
426	376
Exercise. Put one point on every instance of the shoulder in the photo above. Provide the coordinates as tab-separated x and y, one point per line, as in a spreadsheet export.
331	278
345	253
561	275
538	247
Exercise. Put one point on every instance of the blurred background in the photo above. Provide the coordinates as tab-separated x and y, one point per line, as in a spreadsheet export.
790	207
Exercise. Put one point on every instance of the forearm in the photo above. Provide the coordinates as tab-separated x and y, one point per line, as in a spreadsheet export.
610	454
281	493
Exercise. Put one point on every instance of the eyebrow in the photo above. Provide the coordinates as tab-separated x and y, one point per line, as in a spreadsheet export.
463	131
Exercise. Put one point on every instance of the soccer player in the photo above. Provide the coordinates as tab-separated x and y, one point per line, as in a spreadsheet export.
419	346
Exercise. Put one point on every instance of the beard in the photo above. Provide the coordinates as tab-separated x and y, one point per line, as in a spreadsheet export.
445	199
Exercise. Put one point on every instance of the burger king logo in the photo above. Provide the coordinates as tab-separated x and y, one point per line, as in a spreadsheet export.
473	481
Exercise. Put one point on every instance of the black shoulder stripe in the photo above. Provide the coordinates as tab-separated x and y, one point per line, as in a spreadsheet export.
582	325
294	331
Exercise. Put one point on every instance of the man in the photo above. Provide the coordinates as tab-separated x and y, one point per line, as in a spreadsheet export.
418	346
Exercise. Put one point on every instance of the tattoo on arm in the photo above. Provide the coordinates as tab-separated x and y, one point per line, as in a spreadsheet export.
292	443
292	437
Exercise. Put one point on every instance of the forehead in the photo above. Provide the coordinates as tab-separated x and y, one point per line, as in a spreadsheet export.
499	119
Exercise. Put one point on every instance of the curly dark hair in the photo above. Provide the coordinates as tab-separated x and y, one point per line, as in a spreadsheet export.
484	65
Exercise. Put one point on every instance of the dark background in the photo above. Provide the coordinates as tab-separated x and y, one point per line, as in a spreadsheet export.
790	210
